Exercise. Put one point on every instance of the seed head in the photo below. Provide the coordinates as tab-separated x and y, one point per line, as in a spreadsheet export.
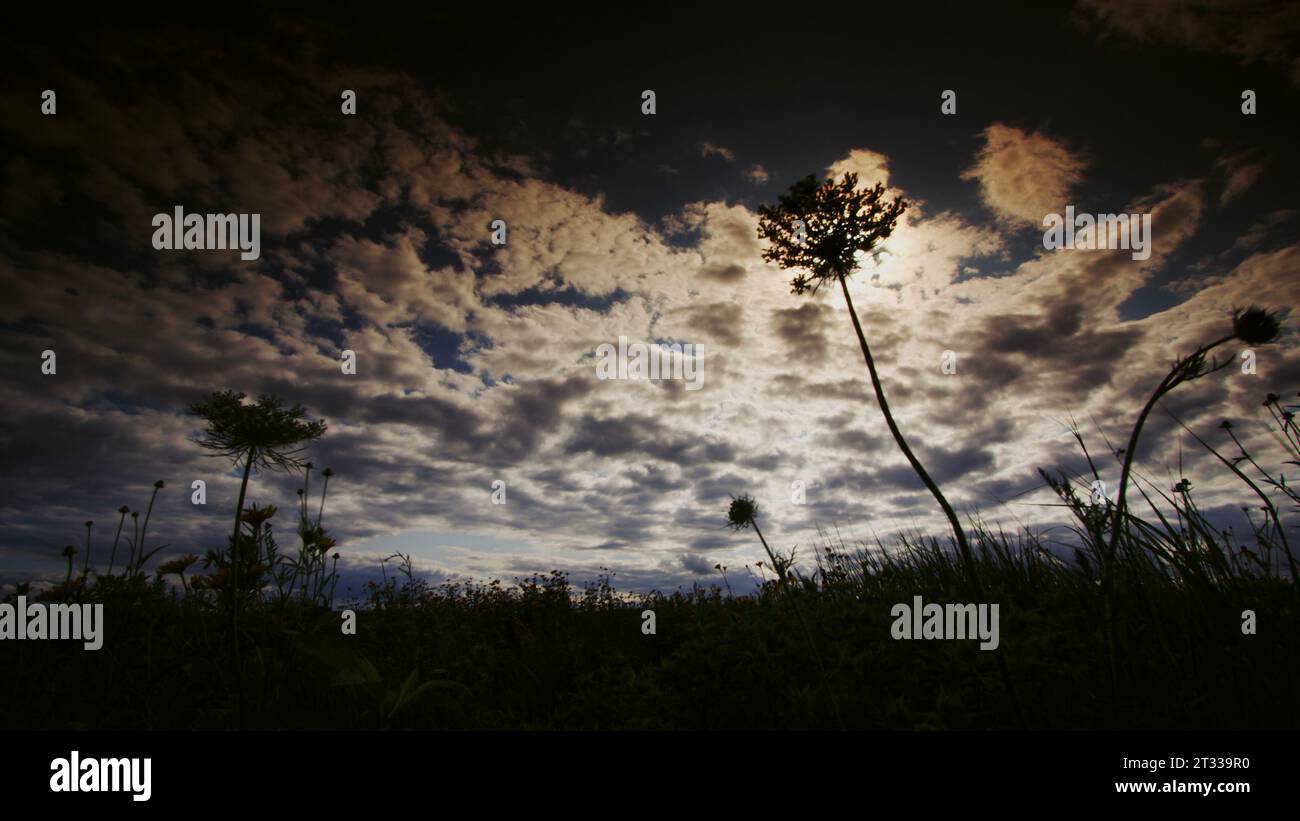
742	512
1255	326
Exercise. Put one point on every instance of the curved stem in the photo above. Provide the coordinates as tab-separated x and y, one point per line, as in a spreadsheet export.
113	553
967	558
144	533
1173	379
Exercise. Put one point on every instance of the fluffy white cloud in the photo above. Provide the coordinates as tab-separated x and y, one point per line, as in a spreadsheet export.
1023	176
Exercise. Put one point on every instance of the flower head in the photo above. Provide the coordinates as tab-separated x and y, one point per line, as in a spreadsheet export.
742	512
1255	326
257	516
823	226
264	433
177	566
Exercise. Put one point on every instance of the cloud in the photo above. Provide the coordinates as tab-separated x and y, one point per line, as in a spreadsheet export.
723	273
756	174
696	564
803	329
708	149
1241	174
1250	31
870	166
1023	176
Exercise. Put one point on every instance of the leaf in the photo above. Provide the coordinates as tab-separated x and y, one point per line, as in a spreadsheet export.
410	692
351	668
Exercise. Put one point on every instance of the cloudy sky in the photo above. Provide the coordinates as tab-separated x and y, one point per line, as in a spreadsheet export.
476	362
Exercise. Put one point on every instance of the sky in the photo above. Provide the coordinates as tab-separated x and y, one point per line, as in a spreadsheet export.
477	363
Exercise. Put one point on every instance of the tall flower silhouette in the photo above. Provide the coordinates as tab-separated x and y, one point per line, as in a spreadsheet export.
1253	326
742	515
824	229
261	435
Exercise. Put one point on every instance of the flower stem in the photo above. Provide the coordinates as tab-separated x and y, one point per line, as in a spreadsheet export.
967	558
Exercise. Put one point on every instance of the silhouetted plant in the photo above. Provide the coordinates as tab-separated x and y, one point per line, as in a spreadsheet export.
841	221
262	435
1272	533
138	555
120	522
178	567
742	514
68	552
1254	326
85	567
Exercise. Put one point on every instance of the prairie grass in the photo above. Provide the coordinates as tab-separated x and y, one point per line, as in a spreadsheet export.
544	653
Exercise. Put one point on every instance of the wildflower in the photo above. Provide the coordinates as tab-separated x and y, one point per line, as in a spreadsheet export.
159	484
177	566
1255	326
263	435
742	512
213	581
257	516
